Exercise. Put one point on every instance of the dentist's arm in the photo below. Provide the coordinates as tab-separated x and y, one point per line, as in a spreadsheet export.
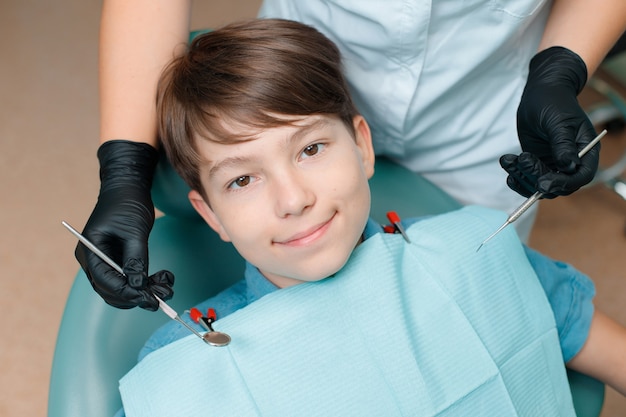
589	28
137	39
552	127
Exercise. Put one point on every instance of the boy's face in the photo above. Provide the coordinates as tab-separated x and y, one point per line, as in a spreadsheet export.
295	200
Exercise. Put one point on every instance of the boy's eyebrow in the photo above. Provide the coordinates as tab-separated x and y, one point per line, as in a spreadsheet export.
228	162
239	160
304	130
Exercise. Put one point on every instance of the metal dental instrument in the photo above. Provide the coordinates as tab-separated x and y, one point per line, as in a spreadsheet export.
211	337
395	221
533	198
166	308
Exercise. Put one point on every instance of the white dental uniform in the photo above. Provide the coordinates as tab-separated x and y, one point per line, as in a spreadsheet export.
438	81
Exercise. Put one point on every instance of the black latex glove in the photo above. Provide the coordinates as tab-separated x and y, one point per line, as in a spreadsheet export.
552	128
119	226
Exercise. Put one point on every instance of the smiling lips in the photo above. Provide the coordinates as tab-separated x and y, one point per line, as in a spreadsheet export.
308	236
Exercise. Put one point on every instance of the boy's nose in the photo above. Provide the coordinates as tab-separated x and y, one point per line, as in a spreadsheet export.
293	195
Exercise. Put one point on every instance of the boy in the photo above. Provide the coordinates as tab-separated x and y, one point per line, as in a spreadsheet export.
258	120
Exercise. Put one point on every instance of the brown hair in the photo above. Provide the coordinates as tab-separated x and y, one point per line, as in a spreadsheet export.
249	73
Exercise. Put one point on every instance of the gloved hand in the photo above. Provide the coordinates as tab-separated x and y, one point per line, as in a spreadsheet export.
119	226
552	128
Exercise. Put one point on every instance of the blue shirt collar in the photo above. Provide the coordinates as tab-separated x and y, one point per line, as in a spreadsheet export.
256	284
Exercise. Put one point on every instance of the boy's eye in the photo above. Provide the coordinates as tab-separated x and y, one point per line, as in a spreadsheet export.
241	182
312	150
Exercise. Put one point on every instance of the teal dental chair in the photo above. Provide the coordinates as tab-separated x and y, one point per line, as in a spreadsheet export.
97	344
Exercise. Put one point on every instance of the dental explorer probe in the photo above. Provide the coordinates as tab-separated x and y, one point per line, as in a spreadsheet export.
533	198
162	305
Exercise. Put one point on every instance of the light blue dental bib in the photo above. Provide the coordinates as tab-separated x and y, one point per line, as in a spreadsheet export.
430	328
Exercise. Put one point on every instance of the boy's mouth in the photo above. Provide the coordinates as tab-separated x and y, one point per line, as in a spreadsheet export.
306	237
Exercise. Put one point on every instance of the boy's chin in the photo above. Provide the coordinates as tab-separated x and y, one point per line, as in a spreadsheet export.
283	281
330	273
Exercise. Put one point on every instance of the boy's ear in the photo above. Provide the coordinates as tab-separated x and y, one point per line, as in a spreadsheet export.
207	214
364	143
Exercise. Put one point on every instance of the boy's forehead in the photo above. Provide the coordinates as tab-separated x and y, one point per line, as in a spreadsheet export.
251	131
